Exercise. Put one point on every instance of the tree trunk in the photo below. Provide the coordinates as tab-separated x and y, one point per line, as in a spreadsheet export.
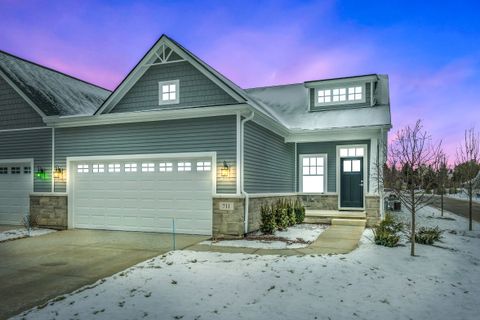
441	204
412	237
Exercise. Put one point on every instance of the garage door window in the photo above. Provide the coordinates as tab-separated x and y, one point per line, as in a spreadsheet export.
114	167
130	167
204	166
15	170
82	168
3	170
184	166
165	167
27	170
148	167
98	168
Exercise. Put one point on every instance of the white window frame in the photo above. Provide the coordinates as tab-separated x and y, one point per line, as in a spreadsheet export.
325	171
365	171
332	88
160	92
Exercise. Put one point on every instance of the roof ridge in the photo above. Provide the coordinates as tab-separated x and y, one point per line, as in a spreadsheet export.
274	86
53	70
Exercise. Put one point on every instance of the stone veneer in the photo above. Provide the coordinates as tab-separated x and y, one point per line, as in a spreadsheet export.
372	208
50	210
320	201
228	224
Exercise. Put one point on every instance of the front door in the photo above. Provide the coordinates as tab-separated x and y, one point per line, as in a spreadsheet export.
351	182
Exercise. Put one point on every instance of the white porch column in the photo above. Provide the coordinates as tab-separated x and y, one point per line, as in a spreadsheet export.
373	163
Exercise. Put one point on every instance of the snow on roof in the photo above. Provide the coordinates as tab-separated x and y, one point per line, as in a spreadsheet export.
289	104
53	92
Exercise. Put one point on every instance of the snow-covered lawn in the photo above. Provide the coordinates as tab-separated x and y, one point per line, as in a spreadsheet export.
298	236
371	282
22	233
464	196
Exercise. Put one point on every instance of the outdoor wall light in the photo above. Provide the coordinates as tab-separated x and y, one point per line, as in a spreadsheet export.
59	173
41	173
225	170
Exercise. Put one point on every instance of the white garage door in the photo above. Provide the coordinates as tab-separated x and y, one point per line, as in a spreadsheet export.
143	194
16	183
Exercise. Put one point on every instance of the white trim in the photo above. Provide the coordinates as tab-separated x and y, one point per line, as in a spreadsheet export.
70	170
160	92
49	194
334	134
242	172
53	160
325	171
345	86
149	58
23	129
239	151
146	116
365	172
296	184
314	84
22	95
262	195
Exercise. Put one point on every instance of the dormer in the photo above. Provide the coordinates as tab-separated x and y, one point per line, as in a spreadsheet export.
342	93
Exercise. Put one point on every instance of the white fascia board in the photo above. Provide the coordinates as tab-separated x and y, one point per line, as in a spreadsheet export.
146	116
22	95
314	84
340	134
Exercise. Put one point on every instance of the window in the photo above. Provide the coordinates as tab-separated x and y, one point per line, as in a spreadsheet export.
313	173
184	166
204	166
114	167
351	165
148	167
130	167
27	170
168	92
339	95
3	170
98	168
351	152
15	170
82	168
165	167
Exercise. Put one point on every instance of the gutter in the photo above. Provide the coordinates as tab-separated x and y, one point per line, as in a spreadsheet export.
242	172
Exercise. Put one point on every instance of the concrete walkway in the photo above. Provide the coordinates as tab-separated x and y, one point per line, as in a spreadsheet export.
34	270
337	239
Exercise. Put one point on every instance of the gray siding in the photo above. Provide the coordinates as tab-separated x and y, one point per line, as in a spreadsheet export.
36	144
172	136
368	98
269	161
15	112
195	89
330	148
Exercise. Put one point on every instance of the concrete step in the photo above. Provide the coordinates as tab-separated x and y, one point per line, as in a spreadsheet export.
336	214
349	222
317	220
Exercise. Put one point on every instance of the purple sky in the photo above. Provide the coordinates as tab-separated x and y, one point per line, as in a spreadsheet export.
430	51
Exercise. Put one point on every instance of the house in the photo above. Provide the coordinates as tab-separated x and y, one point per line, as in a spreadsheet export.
177	143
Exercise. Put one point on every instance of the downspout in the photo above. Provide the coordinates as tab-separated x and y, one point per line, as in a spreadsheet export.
53	160
242	175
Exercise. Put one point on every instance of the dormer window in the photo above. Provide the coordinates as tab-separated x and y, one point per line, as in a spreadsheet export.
340	95
168	92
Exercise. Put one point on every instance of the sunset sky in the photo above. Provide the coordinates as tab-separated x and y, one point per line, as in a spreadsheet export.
430	49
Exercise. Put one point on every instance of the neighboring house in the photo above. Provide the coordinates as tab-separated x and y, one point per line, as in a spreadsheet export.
178	140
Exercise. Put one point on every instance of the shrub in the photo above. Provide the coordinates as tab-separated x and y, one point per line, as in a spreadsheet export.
268	224
386	232
281	216
428	236
452	191
292	219
299	210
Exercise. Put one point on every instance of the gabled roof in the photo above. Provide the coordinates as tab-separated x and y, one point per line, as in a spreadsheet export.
151	57
51	92
289	104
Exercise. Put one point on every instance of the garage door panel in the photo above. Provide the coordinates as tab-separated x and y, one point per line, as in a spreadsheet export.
15	191
143	201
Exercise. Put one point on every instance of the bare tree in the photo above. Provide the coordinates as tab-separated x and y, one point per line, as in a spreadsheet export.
411	154
441	175
468	165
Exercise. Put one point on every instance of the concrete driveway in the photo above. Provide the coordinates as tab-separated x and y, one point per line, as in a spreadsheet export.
34	270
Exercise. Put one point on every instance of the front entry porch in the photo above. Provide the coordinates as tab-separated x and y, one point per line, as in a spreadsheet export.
336	217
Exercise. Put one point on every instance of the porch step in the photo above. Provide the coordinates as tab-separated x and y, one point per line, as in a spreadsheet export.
326	216
349	222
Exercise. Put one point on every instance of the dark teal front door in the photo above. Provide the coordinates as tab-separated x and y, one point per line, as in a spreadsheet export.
351	182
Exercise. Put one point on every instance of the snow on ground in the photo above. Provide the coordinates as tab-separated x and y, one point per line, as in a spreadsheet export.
22	233
463	196
372	282
298	236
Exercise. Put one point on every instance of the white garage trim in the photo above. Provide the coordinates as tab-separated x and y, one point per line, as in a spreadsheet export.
70	170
